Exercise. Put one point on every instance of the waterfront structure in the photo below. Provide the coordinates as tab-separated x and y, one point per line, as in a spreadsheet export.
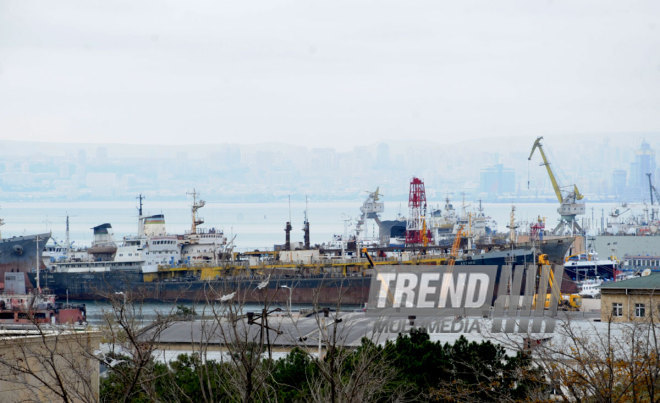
634	300
639	263
39	365
619	246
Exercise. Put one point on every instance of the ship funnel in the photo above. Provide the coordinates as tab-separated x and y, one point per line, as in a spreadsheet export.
104	247
154	225
287	231
103	234
306	231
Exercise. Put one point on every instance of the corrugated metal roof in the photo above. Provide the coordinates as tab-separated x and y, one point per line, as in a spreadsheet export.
649	282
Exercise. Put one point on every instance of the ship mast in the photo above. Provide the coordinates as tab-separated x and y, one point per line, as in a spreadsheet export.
287	230
37	258
68	243
306	226
195	207
512	226
140	216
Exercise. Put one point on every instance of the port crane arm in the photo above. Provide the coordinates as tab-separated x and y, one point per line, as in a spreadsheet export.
555	185
653	190
454	248
368	256
566	301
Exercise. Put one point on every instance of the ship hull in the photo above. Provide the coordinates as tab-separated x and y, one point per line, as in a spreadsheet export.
351	289
21	253
555	248
305	290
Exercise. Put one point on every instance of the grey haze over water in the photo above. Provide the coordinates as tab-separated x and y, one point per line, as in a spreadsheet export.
605	168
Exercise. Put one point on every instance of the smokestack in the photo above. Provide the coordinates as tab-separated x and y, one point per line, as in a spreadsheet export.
306	229
287	230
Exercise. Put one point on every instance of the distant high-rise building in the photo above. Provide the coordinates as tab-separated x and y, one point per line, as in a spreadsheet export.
619	182
101	155
644	163
383	155
497	180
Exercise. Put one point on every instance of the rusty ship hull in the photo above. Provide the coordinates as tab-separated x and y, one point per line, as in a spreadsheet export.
329	286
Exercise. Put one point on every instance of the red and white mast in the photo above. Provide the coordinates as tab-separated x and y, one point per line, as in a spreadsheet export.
416	231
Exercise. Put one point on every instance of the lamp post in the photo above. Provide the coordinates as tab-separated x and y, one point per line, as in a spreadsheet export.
290	292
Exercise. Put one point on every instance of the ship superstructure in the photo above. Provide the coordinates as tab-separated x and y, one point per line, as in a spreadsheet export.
150	248
588	266
200	245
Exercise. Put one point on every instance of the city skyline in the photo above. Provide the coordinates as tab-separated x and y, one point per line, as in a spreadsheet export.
605	170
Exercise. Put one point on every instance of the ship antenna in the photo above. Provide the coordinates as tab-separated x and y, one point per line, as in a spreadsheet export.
141	218
306	225
38	282
68	242
287	230
140	198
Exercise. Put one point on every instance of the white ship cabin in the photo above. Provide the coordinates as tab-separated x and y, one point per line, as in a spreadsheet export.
131	250
161	251
211	236
54	253
590	288
153	248
202	245
57	253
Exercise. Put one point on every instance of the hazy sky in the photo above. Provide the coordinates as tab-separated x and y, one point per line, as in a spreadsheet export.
325	73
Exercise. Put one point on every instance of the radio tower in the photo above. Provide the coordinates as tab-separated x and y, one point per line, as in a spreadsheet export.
416	231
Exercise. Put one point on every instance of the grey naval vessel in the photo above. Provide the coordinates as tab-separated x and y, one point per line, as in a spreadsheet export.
21	254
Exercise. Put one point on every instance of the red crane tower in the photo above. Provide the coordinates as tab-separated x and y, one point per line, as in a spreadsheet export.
416	231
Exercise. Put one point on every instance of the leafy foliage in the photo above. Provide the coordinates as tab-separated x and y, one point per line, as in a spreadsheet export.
422	369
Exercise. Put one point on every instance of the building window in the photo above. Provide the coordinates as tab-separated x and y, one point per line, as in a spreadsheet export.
639	310
617	309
